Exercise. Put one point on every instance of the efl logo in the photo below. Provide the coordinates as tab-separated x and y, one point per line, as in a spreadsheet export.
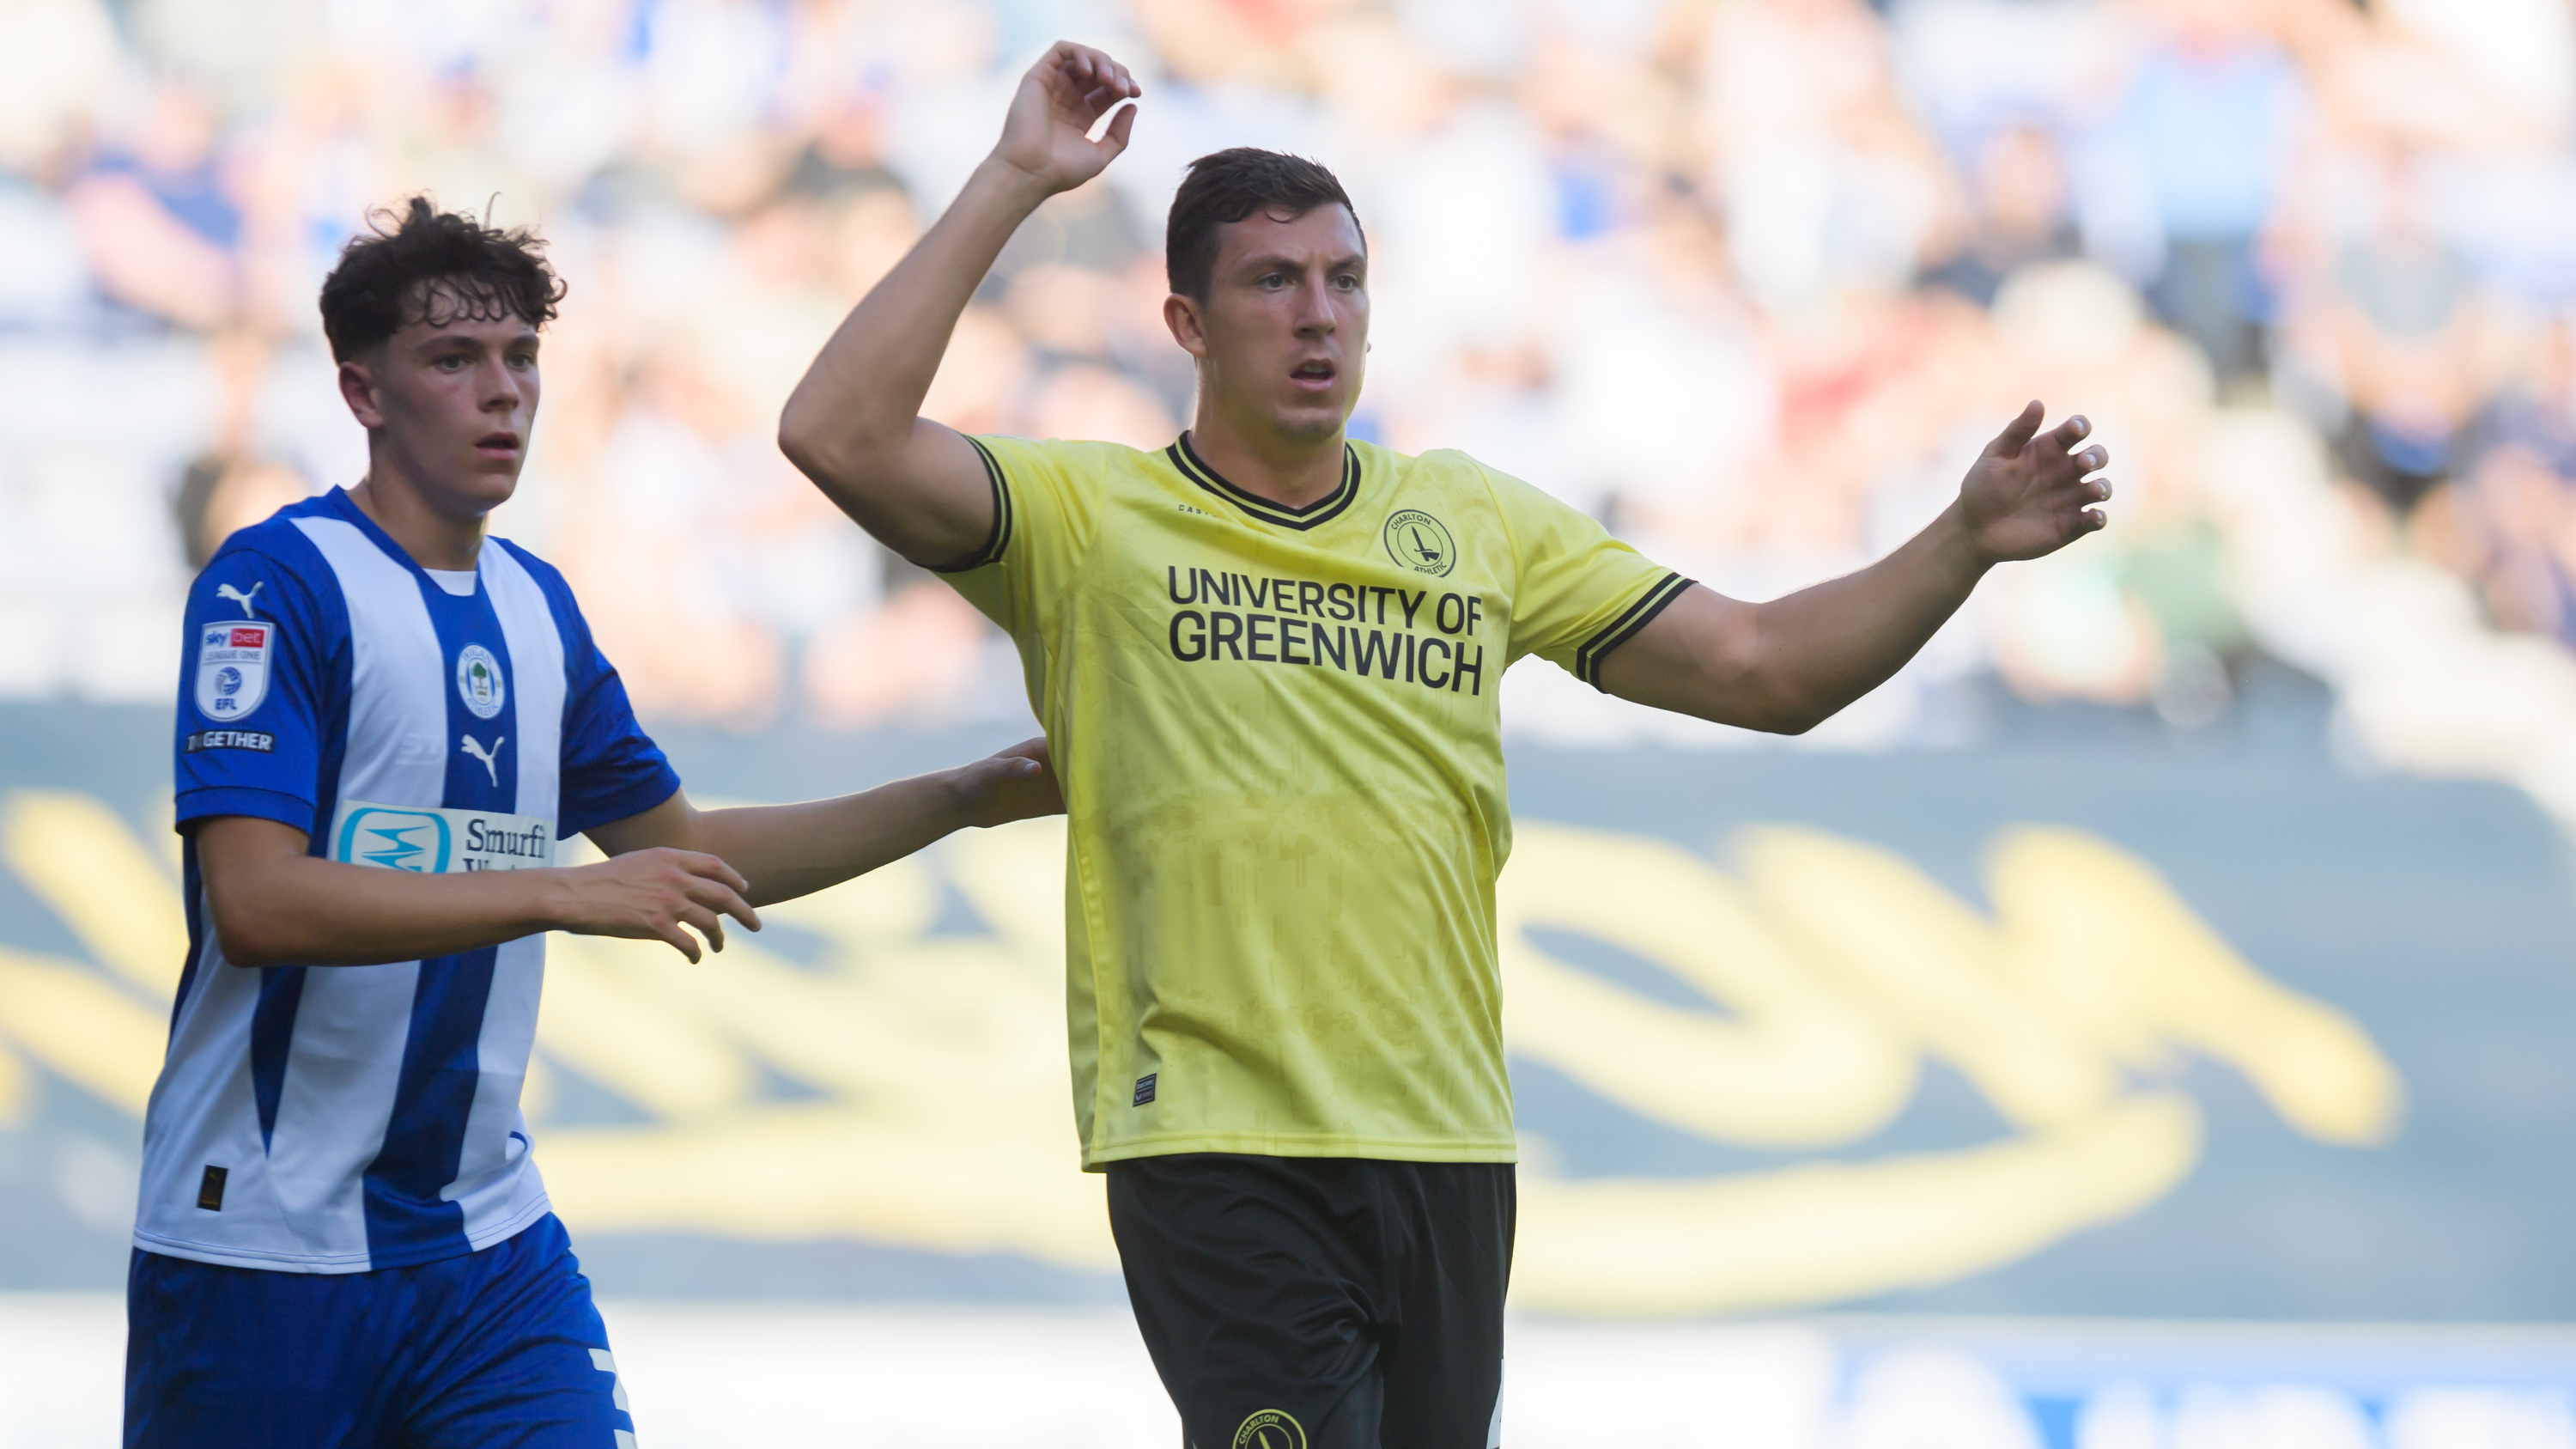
233	667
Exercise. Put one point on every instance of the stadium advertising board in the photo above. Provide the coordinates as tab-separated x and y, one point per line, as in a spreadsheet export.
1950	1049
2066	1033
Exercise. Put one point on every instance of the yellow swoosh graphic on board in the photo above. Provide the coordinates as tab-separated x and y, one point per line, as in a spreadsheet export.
933	1115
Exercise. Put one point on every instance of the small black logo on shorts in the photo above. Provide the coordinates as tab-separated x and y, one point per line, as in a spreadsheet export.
1270	1429
1418	541
1145	1089
210	1190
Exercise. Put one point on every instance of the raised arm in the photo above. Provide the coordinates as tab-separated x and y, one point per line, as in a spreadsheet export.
854	423
787	851
1788	665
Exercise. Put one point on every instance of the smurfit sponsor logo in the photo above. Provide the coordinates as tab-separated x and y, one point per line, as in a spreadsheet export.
437	841
486	837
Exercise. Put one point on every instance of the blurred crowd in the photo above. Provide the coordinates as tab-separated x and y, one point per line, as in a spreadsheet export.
1751	280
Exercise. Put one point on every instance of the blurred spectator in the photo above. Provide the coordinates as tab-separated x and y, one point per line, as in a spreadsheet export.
2524	512
2023	213
1825	177
2210	116
911	661
2404	335
1749	279
156	215
2520	507
55	55
220	496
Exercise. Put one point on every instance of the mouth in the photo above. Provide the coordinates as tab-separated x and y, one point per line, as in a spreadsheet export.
1316	374
497	445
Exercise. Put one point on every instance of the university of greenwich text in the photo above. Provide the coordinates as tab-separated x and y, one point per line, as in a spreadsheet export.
1418	637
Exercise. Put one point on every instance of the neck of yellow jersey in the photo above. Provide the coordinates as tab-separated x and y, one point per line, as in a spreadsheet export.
1330	504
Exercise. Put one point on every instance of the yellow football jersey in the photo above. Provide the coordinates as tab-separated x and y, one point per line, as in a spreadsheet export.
1278	735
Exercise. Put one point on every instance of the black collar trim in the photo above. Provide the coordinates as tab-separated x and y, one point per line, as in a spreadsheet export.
1323	510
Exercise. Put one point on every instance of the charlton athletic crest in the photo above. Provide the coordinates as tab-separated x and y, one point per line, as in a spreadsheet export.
478	681
232	667
1420	542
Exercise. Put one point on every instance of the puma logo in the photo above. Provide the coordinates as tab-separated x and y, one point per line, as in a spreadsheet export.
227	591
490	758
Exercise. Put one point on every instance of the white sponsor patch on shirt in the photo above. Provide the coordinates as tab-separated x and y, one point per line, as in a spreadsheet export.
435	841
232	666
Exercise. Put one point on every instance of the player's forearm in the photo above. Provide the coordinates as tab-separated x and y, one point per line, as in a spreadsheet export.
1786	666
787	851
303	911
1825	646
858	403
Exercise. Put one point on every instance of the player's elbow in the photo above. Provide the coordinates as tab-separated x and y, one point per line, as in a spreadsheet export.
1770	717
1778	706
1742	683
1793	722
810	446
250	938
838	446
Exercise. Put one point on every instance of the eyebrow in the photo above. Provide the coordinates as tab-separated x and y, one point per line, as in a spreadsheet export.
448	337
1354	261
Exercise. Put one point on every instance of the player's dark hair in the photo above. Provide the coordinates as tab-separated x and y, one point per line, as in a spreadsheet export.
435	266
1230	185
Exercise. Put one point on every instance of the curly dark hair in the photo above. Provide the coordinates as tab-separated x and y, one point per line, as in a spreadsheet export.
424	264
1230	185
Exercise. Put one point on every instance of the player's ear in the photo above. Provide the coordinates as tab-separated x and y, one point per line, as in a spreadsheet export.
358	390
1189	327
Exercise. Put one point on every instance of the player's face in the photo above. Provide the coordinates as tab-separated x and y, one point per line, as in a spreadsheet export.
449	400
1281	338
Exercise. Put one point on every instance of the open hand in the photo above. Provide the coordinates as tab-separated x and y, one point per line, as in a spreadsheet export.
647	895
2030	493
1047	134
1013	784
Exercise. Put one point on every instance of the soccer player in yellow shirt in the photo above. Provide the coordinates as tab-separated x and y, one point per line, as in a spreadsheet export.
1267	658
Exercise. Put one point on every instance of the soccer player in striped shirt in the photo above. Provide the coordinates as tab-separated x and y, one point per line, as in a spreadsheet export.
1267	659
387	718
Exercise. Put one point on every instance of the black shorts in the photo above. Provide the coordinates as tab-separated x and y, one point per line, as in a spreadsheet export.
1320	1302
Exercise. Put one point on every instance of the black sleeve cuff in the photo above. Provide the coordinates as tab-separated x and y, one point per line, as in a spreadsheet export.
1587	660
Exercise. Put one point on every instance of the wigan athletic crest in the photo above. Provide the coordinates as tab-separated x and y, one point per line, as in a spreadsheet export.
478	681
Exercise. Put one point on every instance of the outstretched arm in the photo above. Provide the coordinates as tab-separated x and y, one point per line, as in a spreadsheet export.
786	851
1788	665
853	424
276	905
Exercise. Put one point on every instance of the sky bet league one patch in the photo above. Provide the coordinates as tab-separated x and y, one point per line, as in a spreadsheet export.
232	667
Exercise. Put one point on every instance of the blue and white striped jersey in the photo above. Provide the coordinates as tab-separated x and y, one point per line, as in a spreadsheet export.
341	1118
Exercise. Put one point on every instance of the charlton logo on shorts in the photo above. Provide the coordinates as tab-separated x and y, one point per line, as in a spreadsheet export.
232	668
1270	1429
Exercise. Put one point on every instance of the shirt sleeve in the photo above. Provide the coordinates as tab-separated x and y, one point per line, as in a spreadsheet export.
256	696
1045	505
611	768
1581	593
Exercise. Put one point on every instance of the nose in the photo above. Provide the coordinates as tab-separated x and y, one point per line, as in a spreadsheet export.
501	390
1315	316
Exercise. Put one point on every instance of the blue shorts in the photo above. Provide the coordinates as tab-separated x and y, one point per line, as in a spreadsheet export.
500	1347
